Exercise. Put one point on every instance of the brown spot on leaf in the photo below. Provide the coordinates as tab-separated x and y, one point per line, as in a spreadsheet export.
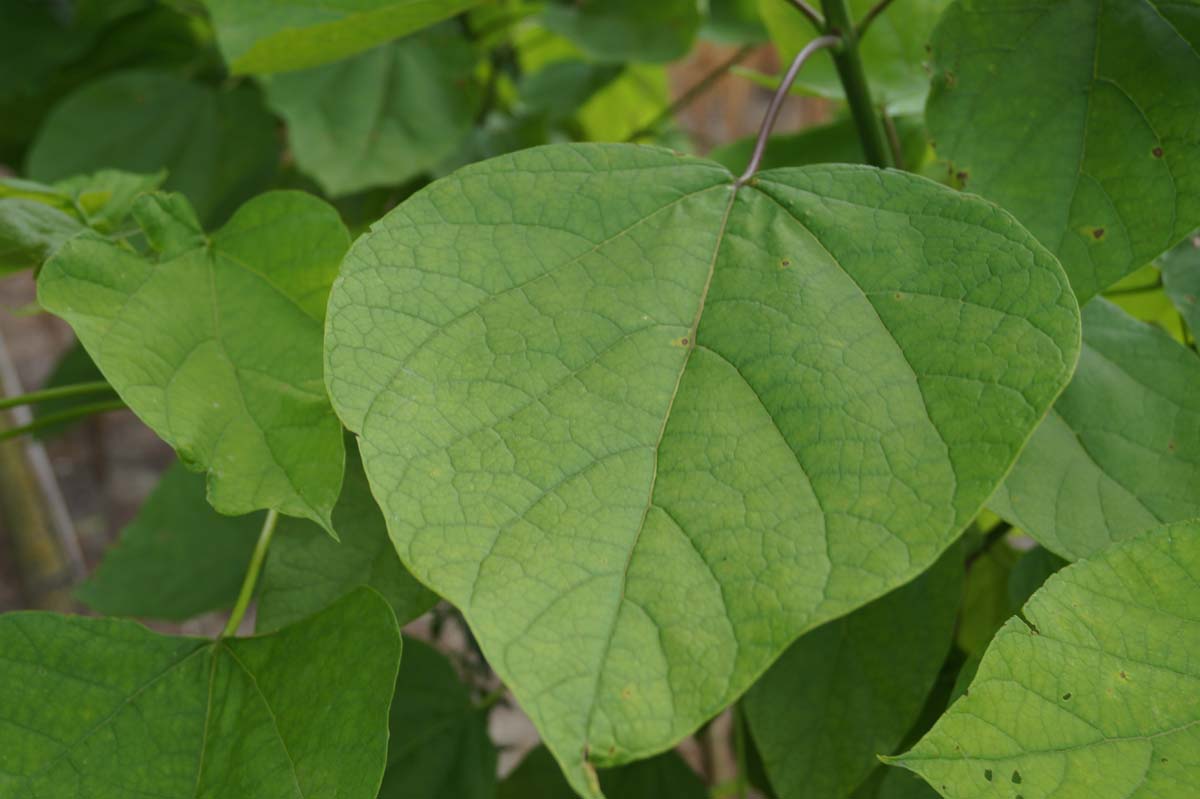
1098	233
1016	777
1123	675
987	774
1157	152
1066	696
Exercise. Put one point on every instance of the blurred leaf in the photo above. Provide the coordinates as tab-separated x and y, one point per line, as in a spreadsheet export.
1030	573
836	142
560	88
105	708
178	558
664	776
986	603
262	36
625	105
853	687
1181	279
383	116
1142	296
734	22
306	570
1120	451
439	747
30	232
218	147
626	30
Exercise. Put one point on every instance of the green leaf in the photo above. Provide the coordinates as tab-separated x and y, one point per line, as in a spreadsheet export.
893	783
893	51
306	570
663	777
986	603
106	708
559	456
856	687
734	22
219	147
1096	692
280	35
626	30
1079	119
1120	451
381	117
31	231
439	747
176	559
217	347
560	88
852	688
835	143
1181	280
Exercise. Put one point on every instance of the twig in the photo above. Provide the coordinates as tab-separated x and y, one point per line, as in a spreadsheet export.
768	123
813	15
870	16
687	98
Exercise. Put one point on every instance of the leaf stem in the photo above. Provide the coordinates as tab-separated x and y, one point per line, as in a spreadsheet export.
854	83
687	98
252	571
813	15
768	124
52	419
870	16
62	392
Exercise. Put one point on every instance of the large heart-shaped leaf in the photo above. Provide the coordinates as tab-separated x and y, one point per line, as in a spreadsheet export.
1078	116
399	109
851	689
1094	691
605	396
98	708
1120	451
217	347
282	35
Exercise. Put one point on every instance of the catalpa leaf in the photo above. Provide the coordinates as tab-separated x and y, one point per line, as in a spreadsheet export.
98	708
1080	119
280	35
178	558
605	396
1093	691
217	347
439	747
307	570
626	30
852	688
1120	452
399	109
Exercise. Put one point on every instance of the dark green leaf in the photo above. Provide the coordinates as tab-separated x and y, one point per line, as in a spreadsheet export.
217	347
74	367
626	30
835	143
852	688
101	708
560	88
1079	117
178	558
31	231
1181	280
986	604
665	776
734	22
558	455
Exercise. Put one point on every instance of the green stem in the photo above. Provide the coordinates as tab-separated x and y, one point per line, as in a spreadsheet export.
62	392
252	571
491	699
854	83
687	98
52	419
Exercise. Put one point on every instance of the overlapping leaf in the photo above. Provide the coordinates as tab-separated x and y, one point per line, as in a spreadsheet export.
665	776
281	35
852	688
1080	119
605	397
1181	280
383	116
97	708
1120	451
1094	691
217	347
626	30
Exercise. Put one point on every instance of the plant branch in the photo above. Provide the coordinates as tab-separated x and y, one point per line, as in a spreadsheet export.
252	571
62	392
813	15
768	123
687	98
870	16
854	83
52	419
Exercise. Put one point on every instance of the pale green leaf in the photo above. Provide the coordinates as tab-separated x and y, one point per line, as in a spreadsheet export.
281	35
1093	692
381	117
101	709
218	347
665	776
439	747
626	30
1181	280
219	147
893	50
178	558
1080	119
852	688
307	570
557	454
31	231
1120	451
